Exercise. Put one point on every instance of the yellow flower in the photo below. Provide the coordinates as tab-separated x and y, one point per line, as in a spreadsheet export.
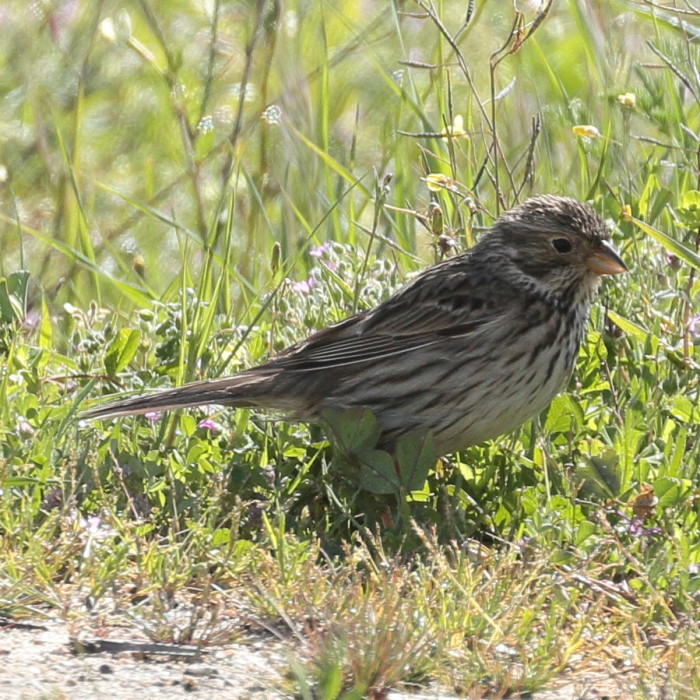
628	99
626	212
456	129
436	181
586	130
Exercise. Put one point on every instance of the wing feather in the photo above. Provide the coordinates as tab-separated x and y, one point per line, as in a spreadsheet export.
441	303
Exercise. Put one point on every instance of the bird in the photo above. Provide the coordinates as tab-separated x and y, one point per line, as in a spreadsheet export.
469	350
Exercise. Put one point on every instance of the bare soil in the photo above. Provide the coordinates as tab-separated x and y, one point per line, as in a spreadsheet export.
39	660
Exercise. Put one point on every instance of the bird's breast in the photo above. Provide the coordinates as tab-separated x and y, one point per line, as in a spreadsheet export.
512	383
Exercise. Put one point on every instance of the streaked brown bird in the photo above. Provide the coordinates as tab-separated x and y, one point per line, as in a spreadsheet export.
471	349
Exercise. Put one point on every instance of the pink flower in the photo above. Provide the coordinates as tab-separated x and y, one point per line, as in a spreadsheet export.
211	426
305	286
694	325
320	251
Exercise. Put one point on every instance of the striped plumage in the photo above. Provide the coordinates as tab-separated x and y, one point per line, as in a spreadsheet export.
470	349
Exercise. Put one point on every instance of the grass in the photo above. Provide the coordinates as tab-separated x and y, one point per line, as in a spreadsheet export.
188	188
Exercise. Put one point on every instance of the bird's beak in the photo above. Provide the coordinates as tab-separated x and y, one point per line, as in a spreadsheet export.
604	260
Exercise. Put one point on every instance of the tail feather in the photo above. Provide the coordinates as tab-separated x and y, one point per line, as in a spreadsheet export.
242	390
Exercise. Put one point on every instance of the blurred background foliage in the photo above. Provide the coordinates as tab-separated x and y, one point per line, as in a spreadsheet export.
131	132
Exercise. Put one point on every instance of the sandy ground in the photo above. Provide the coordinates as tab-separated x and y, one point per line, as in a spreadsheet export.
38	662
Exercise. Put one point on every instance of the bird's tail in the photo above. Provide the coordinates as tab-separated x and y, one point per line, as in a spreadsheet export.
243	390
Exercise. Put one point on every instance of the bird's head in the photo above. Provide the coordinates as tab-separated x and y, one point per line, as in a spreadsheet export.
555	246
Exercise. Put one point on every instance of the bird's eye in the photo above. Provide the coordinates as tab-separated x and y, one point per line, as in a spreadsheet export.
561	245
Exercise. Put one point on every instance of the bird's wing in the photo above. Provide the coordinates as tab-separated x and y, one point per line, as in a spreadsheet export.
326	352
439	304
445	299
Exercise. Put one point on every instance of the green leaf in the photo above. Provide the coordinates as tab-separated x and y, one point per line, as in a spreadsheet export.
121	350
564	414
331	682
668	490
195	453
679	446
600	475
221	537
13	296
10	482
187	425
415	453
684	409
45	331
689	209
671	244
663	197
377	472
354	431
585	530
204	144
629	327
644	202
